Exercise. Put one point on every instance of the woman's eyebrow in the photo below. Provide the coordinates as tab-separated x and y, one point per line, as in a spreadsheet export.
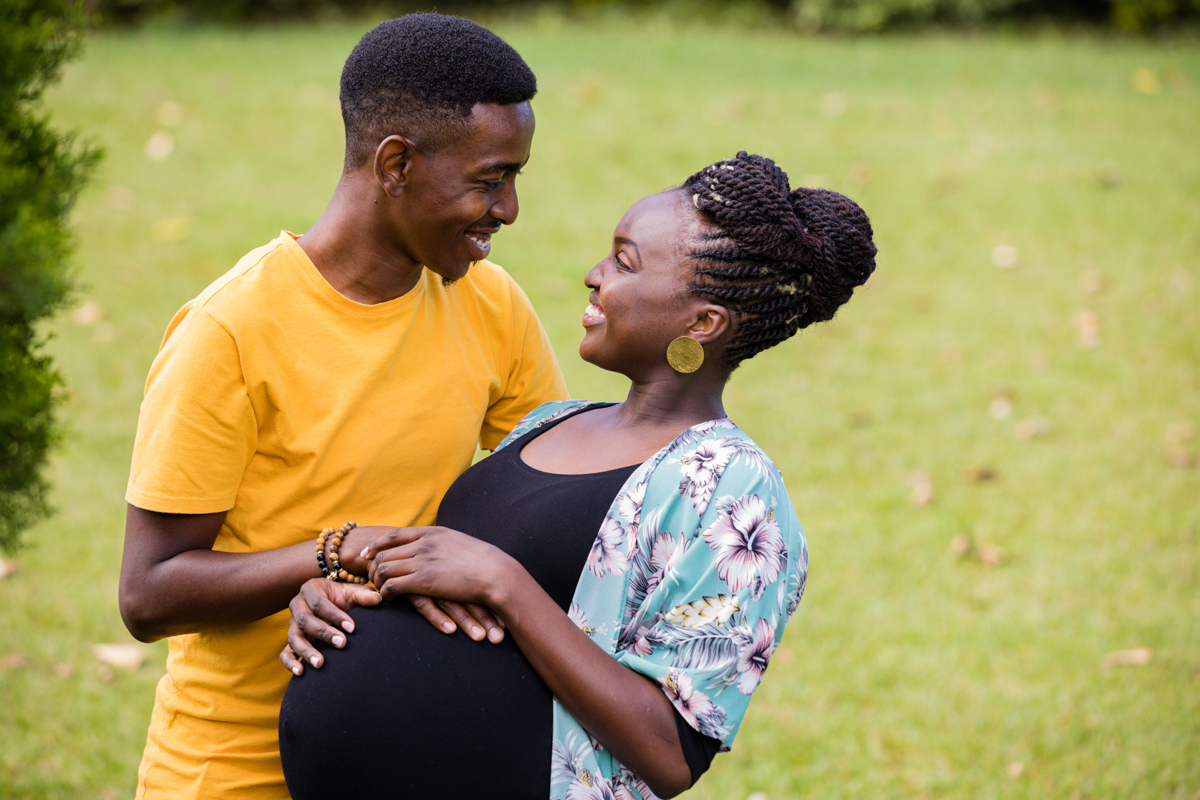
631	243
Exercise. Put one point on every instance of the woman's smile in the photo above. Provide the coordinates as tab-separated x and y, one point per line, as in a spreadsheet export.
592	315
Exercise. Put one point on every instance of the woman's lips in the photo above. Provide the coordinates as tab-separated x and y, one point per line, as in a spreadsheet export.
592	315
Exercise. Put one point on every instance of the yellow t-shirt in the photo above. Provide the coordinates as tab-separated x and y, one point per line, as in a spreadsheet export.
294	408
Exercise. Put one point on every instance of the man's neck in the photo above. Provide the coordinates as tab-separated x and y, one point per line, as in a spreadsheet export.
349	247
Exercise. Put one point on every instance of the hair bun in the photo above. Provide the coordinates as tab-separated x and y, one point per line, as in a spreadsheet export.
838	248
779	259
748	196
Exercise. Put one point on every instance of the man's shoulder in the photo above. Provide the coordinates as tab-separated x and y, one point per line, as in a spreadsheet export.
247	275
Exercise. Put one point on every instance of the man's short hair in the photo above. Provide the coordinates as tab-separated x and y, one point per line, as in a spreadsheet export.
419	76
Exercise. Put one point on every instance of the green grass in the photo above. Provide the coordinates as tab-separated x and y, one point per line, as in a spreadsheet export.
909	672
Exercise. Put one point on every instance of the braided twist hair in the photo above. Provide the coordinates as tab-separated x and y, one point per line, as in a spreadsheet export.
779	259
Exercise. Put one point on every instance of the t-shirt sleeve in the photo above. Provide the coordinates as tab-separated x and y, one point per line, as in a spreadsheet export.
533	374
197	430
719	594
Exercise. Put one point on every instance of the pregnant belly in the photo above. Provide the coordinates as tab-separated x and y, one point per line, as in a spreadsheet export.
407	711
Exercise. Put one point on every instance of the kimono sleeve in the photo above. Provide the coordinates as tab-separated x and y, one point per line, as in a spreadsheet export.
722	568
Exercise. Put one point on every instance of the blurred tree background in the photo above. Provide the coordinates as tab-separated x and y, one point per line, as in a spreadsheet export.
809	15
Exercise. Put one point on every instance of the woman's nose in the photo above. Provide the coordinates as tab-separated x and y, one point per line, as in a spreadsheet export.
592	279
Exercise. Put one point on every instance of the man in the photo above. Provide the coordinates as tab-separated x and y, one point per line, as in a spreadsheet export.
348	373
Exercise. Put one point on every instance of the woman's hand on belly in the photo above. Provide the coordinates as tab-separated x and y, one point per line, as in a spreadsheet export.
438	562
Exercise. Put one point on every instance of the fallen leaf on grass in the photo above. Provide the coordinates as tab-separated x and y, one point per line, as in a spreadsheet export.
120	198
63	669
160	145
992	555
979	473
922	489
1134	657
1015	770
758	796
962	545
13	661
1087	327
1180	458
88	313
1004	256
1000	407
121	656
7	568
1031	427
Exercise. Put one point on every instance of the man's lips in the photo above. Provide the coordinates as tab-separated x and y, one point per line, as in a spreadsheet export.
480	243
593	315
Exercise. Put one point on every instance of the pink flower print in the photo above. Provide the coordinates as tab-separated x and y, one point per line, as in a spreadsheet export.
589	787
700	470
665	553
629	504
754	655
641	644
606	555
690	702
748	543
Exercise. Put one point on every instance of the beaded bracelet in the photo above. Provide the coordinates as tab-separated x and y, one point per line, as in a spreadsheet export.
334	571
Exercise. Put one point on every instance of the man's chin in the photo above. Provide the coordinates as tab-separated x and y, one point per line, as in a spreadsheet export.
450	278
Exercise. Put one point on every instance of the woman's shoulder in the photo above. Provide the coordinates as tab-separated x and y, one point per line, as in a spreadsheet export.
543	414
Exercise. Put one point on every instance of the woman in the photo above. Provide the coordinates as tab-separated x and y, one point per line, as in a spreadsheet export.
632	652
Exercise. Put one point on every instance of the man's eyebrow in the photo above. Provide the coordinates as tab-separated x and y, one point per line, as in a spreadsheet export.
502	166
631	243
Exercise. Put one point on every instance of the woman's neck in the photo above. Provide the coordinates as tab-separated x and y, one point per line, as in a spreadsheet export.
674	403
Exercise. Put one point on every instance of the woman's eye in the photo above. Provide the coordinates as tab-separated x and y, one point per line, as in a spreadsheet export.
623	264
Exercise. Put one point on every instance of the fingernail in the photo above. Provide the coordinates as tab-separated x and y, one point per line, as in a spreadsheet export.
448	627
495	635
338	641
477	632
363	554
315	661
295	670
348	625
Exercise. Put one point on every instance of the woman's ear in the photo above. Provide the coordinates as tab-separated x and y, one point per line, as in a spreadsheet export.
712	322
393	163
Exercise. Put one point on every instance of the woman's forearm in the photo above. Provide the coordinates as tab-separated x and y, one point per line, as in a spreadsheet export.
625	711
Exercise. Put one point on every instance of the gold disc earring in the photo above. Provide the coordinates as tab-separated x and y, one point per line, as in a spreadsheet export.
685	355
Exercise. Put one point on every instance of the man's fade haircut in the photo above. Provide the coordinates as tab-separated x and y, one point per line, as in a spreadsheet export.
419	76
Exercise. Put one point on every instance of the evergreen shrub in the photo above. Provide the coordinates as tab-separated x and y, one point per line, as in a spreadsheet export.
41	172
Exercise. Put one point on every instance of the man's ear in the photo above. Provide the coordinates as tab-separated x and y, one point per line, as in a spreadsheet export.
393	163
712	322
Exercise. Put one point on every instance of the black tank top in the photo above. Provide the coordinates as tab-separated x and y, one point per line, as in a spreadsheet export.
407	711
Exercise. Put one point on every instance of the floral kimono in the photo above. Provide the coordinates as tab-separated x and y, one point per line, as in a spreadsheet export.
696	568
